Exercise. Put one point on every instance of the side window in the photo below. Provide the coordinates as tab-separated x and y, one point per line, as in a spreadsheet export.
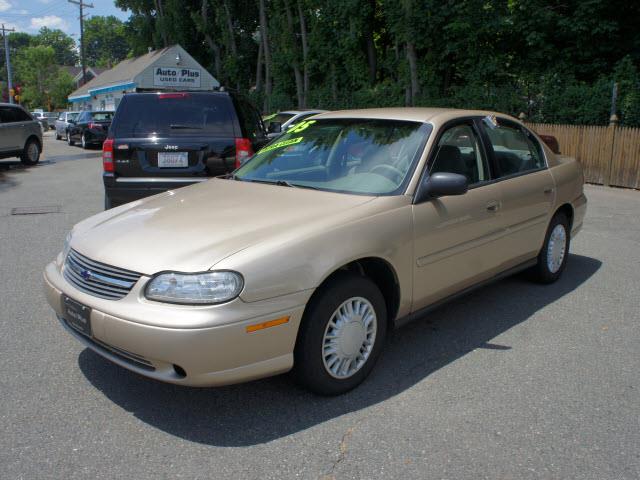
515	150
6	115
458	151
20	115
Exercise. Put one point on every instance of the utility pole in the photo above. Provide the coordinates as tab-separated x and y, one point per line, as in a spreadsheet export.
81	4
7	56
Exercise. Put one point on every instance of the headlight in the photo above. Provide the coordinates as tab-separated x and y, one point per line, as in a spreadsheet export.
66	247
195	288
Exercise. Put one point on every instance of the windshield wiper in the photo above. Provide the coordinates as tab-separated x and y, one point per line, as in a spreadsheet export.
279	183
180	126
286	183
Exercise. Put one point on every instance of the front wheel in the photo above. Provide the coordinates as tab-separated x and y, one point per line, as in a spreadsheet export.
31	153
341	336
552	258
69	141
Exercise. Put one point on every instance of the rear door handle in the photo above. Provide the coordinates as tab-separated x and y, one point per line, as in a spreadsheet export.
493	206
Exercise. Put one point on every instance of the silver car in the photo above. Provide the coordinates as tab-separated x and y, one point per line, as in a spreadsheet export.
42	119
280	122
62	124
20	134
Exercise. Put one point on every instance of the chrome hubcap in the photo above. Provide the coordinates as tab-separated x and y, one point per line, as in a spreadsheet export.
556	248
349	337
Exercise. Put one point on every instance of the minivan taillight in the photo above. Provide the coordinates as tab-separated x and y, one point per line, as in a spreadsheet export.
107	155
243	150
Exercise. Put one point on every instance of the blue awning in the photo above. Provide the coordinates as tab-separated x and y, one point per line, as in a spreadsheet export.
113	88
80	98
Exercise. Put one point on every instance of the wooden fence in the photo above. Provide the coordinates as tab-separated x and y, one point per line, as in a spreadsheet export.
609	155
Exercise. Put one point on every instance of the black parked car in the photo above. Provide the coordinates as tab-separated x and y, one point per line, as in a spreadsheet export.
89	128
161	141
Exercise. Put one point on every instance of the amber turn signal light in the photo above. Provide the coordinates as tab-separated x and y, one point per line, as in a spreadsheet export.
270	323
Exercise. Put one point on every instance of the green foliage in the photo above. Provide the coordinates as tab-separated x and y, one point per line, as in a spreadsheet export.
62	44
554	61
106	41
44	83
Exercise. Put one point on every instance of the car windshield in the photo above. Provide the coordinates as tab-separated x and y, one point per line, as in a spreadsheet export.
360	156
277	118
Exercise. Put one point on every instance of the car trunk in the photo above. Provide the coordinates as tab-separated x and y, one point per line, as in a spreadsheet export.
175	157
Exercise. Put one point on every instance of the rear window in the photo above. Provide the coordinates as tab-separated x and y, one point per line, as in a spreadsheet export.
173	114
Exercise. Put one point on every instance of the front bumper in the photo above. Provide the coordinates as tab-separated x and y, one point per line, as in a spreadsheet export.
195	346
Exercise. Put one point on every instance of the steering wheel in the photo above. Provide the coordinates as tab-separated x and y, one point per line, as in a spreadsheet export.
392	173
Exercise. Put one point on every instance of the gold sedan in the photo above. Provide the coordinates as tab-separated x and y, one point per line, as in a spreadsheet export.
347	225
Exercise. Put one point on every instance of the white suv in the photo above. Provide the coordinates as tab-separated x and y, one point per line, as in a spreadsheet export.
20	134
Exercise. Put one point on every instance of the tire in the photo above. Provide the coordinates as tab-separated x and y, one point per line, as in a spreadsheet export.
107	202
83	142
552	258
58	137
70	142
31	153
313	357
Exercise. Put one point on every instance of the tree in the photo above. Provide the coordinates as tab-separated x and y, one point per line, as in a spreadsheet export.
554	61
37	70
105	40
62	44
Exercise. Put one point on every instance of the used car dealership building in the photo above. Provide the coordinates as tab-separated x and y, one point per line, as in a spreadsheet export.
168	69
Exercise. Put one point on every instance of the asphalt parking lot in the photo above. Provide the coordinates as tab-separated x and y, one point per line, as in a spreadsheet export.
514	381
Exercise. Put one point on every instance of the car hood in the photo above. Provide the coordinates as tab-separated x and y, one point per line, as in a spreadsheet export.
193	228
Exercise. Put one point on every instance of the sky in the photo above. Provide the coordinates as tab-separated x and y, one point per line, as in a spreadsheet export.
30	15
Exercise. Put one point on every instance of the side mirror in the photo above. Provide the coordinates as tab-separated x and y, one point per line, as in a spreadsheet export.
275	127
442	184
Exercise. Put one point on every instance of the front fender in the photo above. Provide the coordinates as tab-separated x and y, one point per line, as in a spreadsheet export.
304	257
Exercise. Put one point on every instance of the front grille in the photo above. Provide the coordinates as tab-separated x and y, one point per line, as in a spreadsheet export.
98	279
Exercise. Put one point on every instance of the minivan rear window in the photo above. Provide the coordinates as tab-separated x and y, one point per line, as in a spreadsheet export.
174	114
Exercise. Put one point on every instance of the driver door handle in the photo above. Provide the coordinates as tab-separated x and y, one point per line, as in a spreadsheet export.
493	206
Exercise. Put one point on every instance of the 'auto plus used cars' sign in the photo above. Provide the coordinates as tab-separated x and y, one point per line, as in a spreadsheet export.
176	77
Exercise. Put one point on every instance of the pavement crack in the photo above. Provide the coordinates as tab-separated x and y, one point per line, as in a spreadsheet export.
342	451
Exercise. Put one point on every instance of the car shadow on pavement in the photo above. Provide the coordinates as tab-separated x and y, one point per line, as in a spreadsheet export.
268	409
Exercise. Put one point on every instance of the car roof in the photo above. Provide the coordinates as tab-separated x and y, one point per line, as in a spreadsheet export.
415	114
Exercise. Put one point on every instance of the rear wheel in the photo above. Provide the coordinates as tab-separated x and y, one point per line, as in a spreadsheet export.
69	141
107	202
58	137
31	153
552	258
83	142
341	335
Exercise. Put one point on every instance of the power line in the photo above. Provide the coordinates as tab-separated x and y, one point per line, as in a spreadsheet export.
6	52
81	5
